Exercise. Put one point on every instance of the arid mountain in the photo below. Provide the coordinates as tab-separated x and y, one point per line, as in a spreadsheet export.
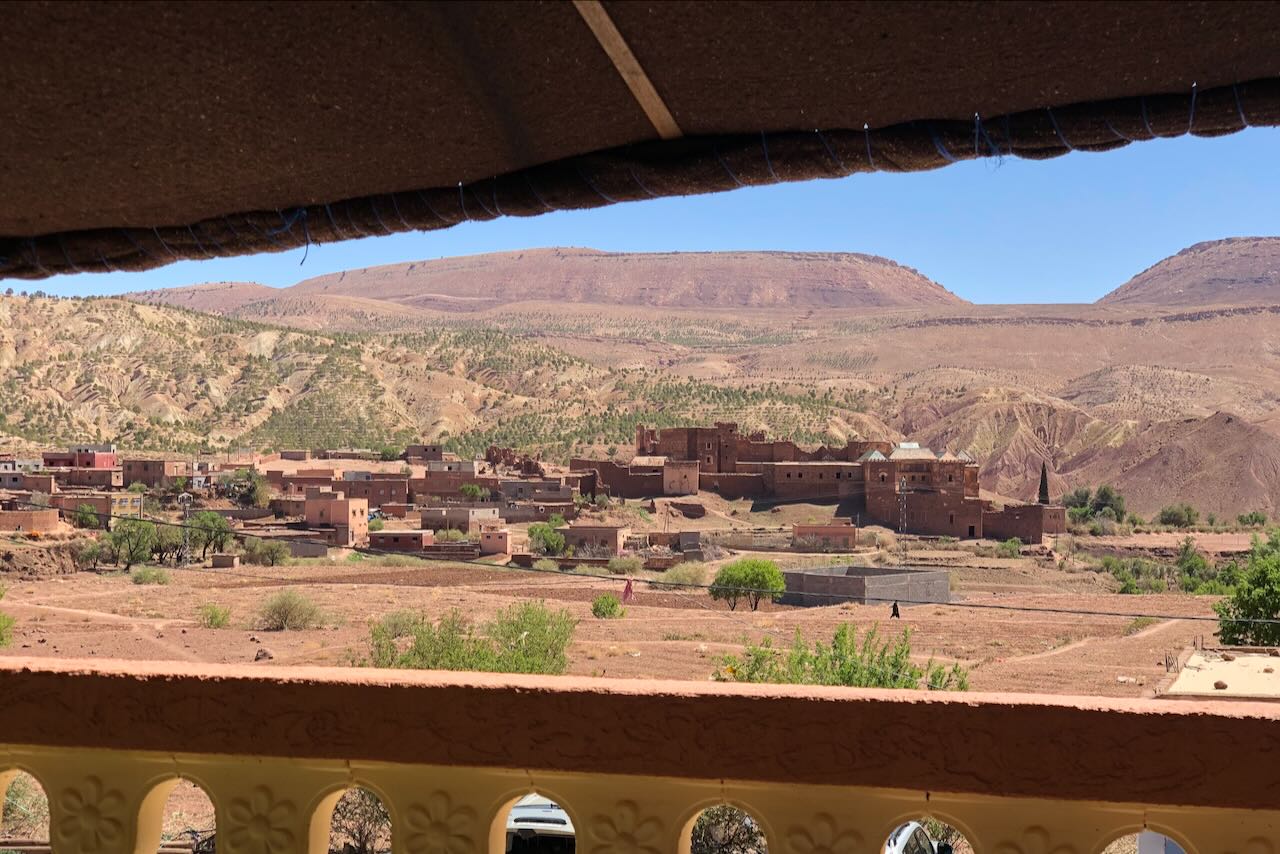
794	280
1221	464
1236	271
211	297
562	352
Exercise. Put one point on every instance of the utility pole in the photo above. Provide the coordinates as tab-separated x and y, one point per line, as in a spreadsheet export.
902	505
185	500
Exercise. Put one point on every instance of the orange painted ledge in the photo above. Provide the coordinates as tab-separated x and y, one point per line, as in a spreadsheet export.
1212	754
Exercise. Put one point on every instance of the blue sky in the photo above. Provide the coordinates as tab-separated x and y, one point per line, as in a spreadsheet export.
1008	231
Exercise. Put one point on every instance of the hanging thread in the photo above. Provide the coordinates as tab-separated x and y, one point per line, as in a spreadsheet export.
764	145
156	232
866	133
1058	130
937	143
1192	119
587	180
726	168
1235	90
831	153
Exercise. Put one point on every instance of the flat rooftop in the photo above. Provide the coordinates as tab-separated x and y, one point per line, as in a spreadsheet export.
1247	675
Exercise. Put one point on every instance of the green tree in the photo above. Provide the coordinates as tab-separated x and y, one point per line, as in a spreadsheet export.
376	524
607	607
89	554
545	539
875	663
167	543
1044	483
1179	515
1078	497
132	540
85	517
1253	519
265	552
138	487
1107	497
752	579
726	830
474	492
1256	597
209	530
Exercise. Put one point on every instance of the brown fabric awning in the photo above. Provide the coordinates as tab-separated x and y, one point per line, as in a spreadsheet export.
138	134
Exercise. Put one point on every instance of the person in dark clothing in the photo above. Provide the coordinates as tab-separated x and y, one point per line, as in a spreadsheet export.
894	615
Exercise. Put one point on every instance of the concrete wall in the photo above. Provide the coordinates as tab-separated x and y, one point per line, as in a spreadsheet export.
819	586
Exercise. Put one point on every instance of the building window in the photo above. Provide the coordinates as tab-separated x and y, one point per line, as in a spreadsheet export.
950	478
788	475
882	477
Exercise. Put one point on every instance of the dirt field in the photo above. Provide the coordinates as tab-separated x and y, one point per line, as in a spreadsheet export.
665	634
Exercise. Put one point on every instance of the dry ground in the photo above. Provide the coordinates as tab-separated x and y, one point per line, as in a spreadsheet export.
665	634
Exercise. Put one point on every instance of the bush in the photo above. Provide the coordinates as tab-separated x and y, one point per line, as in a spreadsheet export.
874	664
212	616
1010	548
1256	597
150	575
524	638
726	830
1178	515
376	524
607	607
450	535
752	579
401	624
288	610
628	565
690	573
1255	519
546	564
265	552
6	624
545	539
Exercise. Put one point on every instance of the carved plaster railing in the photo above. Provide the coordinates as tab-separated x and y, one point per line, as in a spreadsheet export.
823	771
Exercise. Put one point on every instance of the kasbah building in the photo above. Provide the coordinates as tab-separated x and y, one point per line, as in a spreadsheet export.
902	486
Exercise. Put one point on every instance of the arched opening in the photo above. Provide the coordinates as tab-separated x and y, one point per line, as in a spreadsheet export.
927	835
360	824
1144	842
533	824
725	829
187	820
25	816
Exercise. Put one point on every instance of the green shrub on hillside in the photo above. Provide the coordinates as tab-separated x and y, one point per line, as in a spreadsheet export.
212	616
626	565
1010	548
288	610
607	607
150	575
1178	515
875	663
523	638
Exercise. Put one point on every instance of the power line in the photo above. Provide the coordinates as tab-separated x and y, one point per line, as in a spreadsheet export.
674	586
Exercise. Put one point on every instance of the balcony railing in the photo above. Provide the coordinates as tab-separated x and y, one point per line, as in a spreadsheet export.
823	771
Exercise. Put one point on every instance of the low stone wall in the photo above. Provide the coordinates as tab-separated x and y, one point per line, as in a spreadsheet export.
865	585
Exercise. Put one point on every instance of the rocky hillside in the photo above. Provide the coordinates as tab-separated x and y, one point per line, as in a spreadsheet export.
672	280
1239	270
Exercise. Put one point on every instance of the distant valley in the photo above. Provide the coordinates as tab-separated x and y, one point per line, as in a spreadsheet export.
1169	387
